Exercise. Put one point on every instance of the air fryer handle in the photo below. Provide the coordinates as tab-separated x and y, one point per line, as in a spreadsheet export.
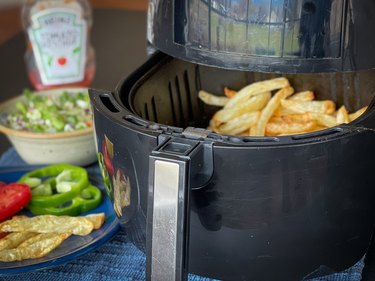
168	210
166	253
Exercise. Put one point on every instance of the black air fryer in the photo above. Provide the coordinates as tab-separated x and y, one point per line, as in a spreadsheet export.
243	208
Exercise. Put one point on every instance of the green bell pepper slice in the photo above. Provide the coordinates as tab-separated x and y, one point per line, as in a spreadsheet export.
79	180
89	198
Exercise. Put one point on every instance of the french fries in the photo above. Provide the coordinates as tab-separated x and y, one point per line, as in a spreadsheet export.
303	96
49	223
240	124
257	88
35	237
14	239
212	99
269	109
299	106
229	93
96	219
254	103
254	111
342	116
39	248
356	114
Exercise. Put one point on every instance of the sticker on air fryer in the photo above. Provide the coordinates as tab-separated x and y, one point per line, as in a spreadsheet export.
116	183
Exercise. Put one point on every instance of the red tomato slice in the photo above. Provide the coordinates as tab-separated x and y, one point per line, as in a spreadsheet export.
13	197
2	184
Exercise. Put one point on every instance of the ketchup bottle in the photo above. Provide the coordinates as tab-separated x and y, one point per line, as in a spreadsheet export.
59	52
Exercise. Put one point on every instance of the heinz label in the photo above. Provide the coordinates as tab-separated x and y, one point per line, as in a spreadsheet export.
58	38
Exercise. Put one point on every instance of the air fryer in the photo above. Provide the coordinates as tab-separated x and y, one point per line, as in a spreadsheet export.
232	207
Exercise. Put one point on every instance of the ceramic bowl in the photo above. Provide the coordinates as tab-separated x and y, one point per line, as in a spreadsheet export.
76	147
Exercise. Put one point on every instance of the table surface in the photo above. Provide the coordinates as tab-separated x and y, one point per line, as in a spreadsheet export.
119	38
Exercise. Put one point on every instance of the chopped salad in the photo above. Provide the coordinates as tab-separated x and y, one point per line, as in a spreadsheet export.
51	113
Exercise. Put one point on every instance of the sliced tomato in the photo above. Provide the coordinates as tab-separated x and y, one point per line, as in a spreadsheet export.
2	184
13	197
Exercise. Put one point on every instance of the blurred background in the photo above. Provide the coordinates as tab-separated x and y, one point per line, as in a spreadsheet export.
118	37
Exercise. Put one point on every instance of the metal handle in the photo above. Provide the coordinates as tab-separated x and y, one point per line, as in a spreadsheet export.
166	259
167	214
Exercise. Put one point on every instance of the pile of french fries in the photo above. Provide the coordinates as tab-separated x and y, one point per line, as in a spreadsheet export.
35	237
255	111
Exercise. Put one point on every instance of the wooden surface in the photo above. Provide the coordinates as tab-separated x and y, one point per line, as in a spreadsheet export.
10	23
134	5
10	15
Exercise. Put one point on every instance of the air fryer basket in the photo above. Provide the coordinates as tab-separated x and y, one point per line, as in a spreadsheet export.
169	96
270	207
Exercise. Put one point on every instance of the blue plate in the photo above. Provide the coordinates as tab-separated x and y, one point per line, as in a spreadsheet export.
74	246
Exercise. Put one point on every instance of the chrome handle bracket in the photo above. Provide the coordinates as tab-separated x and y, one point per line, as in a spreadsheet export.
167	214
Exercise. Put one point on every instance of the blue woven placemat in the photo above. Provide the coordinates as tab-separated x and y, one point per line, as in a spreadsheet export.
119	259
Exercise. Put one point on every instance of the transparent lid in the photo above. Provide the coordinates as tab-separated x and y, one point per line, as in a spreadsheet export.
283	36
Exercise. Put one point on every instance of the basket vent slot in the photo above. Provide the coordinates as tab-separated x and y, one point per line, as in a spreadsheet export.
259	139
179	98
188	96
153	107
135	120
147	115
106	101
172	103
318	134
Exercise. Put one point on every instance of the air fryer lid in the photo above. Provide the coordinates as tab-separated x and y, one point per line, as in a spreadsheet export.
283	36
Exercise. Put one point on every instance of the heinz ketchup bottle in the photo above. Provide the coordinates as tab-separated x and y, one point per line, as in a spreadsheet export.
59	51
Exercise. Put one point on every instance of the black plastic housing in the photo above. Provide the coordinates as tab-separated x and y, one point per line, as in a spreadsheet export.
283	36
272	208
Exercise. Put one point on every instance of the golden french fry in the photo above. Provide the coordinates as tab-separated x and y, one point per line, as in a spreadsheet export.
320	127
255	89
20	217
36	238
49	223
269	109
356	114
342	116
325	107
240	123
37	249
12	240
291	118
283	114
96	219
229	93
212	126
303	96
282	111
254	103
211	99
244	133
284	128
323	119
296	133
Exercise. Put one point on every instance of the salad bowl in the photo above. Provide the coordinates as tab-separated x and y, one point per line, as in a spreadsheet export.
41	144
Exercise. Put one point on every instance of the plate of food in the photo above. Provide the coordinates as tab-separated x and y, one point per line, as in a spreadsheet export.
51	126
50	215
